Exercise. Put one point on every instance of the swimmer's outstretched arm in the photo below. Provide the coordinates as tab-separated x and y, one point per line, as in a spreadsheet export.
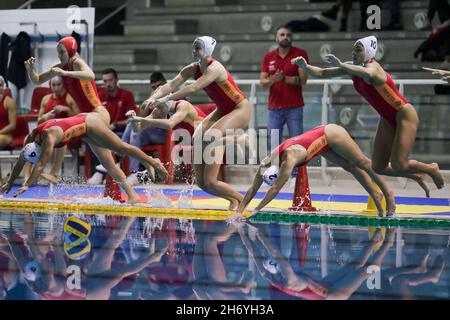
155	122
16	170
46	153
285	172
372	73
257	181
170	86
439	72
211	74
316	71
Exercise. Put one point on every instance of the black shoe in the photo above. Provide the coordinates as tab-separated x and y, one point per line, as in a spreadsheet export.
343	27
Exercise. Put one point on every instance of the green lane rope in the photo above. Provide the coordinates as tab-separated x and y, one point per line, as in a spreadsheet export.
350	220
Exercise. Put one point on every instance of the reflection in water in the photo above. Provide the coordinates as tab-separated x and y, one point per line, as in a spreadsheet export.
109	257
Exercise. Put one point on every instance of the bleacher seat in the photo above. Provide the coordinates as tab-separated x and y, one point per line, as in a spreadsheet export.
38	94
19	133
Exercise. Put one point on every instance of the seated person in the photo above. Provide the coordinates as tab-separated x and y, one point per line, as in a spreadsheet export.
7	118
56	105
138	138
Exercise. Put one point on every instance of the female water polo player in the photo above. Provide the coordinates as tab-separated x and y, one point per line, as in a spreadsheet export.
330	141
398	125
233	111
78	78
57	133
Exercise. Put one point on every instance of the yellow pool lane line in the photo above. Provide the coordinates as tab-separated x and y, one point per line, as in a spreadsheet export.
327	206
202	209
136	210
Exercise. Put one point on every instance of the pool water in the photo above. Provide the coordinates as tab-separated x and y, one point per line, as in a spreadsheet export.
156	258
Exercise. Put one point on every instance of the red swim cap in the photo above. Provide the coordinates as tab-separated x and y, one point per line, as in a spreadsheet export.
71	45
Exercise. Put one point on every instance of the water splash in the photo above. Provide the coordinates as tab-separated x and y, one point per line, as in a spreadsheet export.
51	191
185	198
156	197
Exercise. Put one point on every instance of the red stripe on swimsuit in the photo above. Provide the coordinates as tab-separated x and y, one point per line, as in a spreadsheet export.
74	128
314	141
385	98
226	94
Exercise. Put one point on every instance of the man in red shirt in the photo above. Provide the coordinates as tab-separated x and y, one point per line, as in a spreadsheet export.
116	100
285	82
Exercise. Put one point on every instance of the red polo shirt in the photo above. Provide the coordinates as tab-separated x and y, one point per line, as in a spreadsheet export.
119	105
281	94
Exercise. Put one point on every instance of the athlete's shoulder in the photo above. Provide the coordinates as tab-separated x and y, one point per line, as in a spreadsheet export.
46	98
9	102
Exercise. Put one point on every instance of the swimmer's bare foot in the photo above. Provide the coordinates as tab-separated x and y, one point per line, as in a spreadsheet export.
436	269
377	199
435	174
133	198
390	204
420	179
234	204
50	177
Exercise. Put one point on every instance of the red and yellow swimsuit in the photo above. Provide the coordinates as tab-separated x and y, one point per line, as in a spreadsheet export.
84	92
226	94
314	141
74	128
385	98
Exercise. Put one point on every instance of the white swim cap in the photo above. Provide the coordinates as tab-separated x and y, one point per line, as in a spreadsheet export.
271	265
32	152
208	44
370	45
271	174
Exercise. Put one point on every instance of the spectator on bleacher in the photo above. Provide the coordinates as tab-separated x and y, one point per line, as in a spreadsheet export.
399	122
233	112
56	105
284	81
137	138
7	118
